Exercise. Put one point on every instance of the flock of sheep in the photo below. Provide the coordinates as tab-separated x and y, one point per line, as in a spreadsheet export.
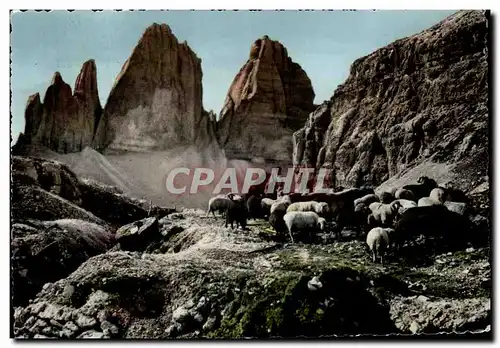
386	220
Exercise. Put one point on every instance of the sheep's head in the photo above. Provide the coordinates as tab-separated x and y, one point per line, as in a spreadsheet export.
360	207
322	224
324	208
389	231
395	206
386	197
422	179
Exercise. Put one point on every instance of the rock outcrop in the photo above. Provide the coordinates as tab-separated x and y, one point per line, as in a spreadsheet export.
47	251
269	98
65	121
421	98
156	101
54	228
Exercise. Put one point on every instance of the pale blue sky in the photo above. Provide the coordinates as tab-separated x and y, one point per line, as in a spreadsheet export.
324	43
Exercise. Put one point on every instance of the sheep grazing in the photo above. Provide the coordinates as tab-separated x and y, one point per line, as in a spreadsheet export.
423	188
320	208
383	214
457	207
386	197
438	194
361	212
367	199
378	240
433	221
218	203
236	212
277	222
254	207
299	221
404	194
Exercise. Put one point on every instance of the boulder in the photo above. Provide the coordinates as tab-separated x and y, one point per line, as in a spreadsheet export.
46	251
51	176
31	202
138	235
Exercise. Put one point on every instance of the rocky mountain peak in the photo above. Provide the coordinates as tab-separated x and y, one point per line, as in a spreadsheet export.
57	79
65	122
269	98
86	81
156	102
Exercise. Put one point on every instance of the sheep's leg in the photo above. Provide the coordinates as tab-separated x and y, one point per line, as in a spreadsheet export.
291	237
374	255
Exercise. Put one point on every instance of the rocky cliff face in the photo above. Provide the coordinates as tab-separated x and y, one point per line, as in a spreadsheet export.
156	102
269	98
64	122
421	98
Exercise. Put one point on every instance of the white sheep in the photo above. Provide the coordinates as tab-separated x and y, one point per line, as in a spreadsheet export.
456	207
265	205
428	201
218	203
438	194
405	204
320	208
378	240
367	199
267	202
296	221
384	213
402	193
285	199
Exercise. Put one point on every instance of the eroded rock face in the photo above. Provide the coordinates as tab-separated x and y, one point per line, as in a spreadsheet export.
47	251
65	121
156	102
269	98
420	98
